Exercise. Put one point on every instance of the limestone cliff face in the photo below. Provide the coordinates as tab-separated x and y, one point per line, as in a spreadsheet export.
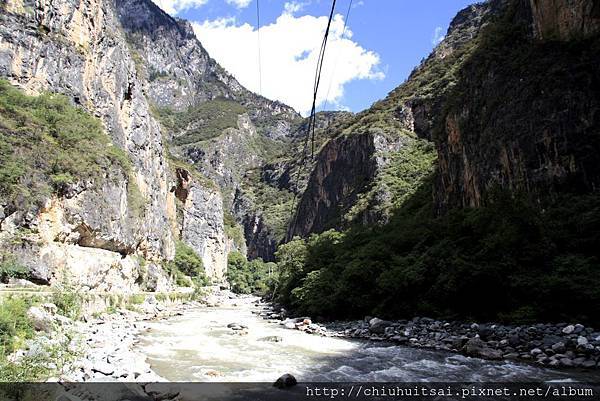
201	222
351	166
565	20
72	47
345	168
500	100
180	77
522	117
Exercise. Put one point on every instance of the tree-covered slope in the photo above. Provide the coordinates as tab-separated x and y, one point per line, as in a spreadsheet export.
489	167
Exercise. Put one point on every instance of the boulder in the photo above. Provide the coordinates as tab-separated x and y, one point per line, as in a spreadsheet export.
378	326
285	381
559	347
41	319
236	326
568	329
475	347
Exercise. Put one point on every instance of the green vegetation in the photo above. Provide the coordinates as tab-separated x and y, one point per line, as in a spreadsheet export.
399	179
509	260
15	325
249	277
15	329
202	122
233	230
185	266
274	204
47	144
10	268
68	301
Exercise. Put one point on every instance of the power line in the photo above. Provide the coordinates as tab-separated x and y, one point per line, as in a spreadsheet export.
318	71
310	131
259	57
337	58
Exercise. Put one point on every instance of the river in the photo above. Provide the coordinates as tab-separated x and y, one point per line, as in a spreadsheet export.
198	346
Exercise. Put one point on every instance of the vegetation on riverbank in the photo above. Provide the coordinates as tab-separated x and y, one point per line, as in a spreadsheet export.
186	266
512	260
250	277
45	354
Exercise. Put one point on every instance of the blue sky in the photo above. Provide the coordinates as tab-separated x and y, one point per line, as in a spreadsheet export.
385	40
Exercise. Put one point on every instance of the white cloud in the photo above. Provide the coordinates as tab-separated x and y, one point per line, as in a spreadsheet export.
292	7
174	6
289	51
239	3
438	36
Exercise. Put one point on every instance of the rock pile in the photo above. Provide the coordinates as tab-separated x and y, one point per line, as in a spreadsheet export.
553	345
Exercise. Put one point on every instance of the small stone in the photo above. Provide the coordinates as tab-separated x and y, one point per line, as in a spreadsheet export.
569	329
536	352
285	381
514	340
582	340
559	347
566	362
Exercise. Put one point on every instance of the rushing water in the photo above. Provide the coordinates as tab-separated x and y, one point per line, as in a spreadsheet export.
199	347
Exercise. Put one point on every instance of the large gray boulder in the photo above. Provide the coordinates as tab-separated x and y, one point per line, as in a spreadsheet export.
378	326
477	348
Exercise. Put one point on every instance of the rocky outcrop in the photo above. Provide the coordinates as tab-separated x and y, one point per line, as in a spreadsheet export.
181	76
203	229
521	117
345	168
73	48
200	221
565	20
504	110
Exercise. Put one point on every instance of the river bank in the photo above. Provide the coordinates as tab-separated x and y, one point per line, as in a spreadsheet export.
225	337
559	345
232	342
109	340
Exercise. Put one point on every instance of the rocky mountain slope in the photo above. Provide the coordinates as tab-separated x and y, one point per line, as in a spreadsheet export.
480	172
210	121
191	136
73	48
494	103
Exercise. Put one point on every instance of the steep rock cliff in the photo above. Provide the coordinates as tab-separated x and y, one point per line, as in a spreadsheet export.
201	222
73	48
353	178
523	115
500	100
210	120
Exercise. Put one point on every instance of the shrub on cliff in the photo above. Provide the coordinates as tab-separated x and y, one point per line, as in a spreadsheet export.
186	263
46	144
